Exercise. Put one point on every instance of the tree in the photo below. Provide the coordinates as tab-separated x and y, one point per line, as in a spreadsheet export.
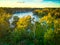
48	21
23	23
15	20
57	32
49	37
41	12
4	25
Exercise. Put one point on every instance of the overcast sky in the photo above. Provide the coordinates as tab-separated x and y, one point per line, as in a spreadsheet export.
29	3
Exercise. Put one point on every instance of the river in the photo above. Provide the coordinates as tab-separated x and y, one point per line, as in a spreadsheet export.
22	14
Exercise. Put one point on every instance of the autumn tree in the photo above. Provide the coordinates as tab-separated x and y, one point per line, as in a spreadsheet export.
57	32
4	24
24	22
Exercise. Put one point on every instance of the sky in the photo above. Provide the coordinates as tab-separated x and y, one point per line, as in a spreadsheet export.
30	3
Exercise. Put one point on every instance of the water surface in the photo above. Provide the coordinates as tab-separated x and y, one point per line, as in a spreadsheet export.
23	14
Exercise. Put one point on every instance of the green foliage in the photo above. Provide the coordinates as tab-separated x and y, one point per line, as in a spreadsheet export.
57	32
39	34
15	20
44	32
39	31
49	37
49	34
55	12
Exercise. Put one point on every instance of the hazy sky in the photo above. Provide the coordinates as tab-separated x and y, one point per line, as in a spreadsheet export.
29	3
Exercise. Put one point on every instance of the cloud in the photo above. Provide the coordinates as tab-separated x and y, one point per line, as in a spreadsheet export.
52	0
21	0
36	5
42	4
37	0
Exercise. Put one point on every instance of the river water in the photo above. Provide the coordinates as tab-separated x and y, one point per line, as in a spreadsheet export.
22	14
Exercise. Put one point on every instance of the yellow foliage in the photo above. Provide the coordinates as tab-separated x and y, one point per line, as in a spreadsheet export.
48	19
23	22
4	20
57	24
37	10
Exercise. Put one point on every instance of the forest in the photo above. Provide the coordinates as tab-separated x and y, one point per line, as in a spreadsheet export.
26	31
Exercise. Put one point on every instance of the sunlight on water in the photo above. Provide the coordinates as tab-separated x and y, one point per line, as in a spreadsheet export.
23	14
